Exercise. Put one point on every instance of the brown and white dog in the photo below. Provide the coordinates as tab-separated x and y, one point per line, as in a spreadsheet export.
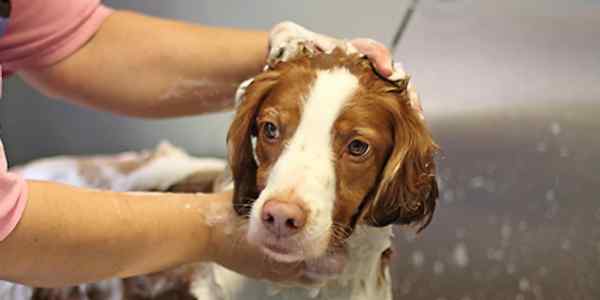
325	155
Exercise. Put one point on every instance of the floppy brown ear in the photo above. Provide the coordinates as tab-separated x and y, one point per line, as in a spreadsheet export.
407	190
239	142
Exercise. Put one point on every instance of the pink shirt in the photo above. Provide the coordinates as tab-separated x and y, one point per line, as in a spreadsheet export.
39	33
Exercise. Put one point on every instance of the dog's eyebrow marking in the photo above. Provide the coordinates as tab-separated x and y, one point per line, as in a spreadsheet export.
365	132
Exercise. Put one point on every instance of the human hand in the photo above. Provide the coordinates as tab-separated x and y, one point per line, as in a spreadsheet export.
284	34
285	37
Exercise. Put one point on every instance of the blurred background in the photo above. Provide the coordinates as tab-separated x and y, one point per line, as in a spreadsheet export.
511	90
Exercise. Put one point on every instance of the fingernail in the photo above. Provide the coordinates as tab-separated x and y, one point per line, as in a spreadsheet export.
386	71
390	68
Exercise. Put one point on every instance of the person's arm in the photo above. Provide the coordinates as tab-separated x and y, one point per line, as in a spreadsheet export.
150	67
70	235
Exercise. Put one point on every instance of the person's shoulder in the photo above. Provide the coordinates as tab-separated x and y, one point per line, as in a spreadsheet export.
41	32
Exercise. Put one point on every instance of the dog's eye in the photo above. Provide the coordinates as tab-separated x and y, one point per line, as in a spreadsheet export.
270	131
358	148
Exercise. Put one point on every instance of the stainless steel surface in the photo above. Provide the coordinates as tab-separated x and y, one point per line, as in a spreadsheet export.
512	97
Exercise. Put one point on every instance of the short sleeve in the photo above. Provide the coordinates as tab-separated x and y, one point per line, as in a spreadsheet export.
40	33
13	197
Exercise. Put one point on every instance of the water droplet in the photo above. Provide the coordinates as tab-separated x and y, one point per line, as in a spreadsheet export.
313	292
448	196
477	182
410	236
550	196
460	233
524	284
555	128
460	255
438	267
405	287
522	226
519	297
418	258
541	147
566	245
564	151
495	254
552	211
505	231
511	268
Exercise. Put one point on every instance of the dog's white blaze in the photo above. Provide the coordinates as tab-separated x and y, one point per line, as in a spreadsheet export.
306	166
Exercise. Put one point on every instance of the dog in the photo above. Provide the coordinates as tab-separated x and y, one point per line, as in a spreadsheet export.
324	156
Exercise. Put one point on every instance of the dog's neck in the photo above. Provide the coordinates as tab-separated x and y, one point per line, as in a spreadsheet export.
364	250
364	277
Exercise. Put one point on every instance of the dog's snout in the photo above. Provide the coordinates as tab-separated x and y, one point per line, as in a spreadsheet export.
283	219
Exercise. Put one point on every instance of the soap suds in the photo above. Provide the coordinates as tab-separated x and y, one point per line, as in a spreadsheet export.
211	95
215	214
184	86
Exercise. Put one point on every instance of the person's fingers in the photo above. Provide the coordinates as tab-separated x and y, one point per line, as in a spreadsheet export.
377	53
381	59
284	34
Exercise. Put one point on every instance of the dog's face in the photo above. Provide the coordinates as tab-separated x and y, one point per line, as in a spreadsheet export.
322	144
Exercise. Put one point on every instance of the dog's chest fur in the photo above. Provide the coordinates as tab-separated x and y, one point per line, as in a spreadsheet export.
363	277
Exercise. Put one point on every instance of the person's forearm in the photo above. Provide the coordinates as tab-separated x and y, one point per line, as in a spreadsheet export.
69	235
150	67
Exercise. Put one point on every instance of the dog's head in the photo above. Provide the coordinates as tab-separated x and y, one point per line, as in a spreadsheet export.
321	144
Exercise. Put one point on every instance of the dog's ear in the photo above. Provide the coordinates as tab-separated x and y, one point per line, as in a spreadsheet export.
407	189
239	141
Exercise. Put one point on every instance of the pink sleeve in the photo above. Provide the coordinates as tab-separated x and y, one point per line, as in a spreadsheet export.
43	32
13	196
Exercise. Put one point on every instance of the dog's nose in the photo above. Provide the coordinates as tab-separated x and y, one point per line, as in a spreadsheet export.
283	219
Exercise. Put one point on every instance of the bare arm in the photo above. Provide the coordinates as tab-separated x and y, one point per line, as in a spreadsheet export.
70	235
149	67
